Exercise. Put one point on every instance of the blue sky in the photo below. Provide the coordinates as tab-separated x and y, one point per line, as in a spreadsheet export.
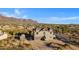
44	15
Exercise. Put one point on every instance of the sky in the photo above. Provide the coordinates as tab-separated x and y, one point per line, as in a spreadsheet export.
44	15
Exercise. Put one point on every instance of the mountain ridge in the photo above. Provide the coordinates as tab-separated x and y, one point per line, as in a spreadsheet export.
7	20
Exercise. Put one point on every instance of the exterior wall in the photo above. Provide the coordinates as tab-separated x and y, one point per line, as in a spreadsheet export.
49	35
22	36
39	35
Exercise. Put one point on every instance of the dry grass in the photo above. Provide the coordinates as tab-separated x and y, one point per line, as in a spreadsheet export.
14	44
23	44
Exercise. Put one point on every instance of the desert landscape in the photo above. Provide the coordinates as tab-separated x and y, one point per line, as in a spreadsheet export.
27	34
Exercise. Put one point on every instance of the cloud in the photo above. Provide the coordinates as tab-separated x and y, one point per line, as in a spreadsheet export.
5	14
60	20
63	18
16	13
24	16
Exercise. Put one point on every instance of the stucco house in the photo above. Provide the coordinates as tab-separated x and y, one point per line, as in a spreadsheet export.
47	35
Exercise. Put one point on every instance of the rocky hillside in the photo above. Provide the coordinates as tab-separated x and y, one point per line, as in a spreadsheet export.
12	20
